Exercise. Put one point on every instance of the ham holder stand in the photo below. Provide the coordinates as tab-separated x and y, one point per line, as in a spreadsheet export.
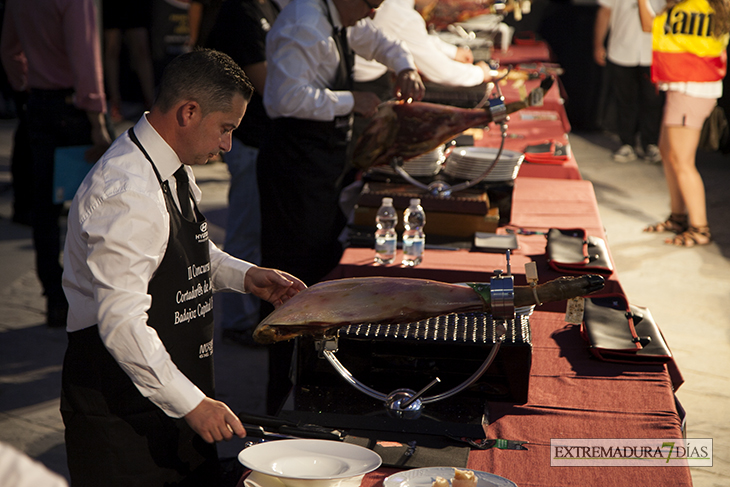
439	352
407	403
499	116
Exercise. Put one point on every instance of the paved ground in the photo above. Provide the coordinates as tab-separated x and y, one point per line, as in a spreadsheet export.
687	291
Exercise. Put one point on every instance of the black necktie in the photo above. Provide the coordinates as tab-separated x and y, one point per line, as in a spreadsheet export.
183	193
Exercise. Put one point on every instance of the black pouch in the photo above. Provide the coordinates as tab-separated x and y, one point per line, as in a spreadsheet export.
617	331
572	251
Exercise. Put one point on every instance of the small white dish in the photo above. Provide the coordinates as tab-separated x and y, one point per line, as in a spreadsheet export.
493	241
424	477
298	462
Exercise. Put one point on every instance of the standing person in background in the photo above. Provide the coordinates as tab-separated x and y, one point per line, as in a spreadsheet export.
437	61
310	99
689	42
240	31
309	96
127	22
628	61
202	15
56	43
138	383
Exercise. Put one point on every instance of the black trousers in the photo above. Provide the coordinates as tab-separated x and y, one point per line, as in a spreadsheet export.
639	104
116	437
299	177
53	121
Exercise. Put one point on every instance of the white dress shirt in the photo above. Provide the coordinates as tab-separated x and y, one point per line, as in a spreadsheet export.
628	45
118	229
303	61
434	57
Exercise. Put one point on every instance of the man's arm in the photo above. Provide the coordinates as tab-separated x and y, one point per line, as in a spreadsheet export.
297	56
646	15
111	244
600	30
84	49
11	52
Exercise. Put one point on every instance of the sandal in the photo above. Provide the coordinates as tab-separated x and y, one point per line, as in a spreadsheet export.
676	223
691	237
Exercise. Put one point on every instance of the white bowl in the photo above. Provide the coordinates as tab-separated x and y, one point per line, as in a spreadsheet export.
304	463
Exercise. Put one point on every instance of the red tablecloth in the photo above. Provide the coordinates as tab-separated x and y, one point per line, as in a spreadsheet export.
571	394
524	52
574	396
537	205
534	125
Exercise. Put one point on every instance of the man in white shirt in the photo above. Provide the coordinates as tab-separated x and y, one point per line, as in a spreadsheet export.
628	59
310	99
437	61
139	273
309	96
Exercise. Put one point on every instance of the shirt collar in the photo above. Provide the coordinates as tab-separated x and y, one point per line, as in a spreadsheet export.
336	21
163	156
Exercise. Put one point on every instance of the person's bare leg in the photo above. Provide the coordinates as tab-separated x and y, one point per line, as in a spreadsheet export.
681	166
676	199
677	220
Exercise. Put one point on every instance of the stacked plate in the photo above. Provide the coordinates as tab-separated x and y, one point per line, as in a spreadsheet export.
427	164
470	162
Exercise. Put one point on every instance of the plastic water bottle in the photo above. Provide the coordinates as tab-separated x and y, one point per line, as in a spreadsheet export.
385	236
414	240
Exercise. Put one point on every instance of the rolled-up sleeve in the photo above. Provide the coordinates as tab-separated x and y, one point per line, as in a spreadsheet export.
84	52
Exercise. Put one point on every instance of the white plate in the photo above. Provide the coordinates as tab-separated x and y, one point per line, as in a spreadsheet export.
309	459
424	477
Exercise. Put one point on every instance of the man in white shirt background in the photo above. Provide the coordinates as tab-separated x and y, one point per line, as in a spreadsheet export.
310	98
437	61
628	58
139	273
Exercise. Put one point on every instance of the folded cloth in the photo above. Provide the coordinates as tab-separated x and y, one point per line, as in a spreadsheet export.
547	152
574	252
617	331
414	453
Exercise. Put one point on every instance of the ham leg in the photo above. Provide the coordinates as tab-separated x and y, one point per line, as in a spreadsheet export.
329	305
407	130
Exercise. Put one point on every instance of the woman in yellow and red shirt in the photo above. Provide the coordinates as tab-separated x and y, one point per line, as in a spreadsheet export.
689	61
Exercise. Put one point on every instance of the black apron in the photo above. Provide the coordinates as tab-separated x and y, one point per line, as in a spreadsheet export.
299	173
116	436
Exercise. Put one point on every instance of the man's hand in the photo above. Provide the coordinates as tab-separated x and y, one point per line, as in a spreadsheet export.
272	285
409	85
100	138
489	73
214	421
464	55
366	103
599	55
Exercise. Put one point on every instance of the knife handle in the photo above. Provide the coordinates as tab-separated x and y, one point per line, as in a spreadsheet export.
266	421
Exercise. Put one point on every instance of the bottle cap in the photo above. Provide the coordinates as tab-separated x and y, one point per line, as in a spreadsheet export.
415	201
388	201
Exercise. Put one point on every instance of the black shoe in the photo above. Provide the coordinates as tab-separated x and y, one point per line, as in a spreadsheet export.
56	317
243	338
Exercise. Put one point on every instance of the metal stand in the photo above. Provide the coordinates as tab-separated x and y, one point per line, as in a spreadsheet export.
499	116
407	403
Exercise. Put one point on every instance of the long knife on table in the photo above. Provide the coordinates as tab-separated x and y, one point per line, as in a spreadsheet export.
269	427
